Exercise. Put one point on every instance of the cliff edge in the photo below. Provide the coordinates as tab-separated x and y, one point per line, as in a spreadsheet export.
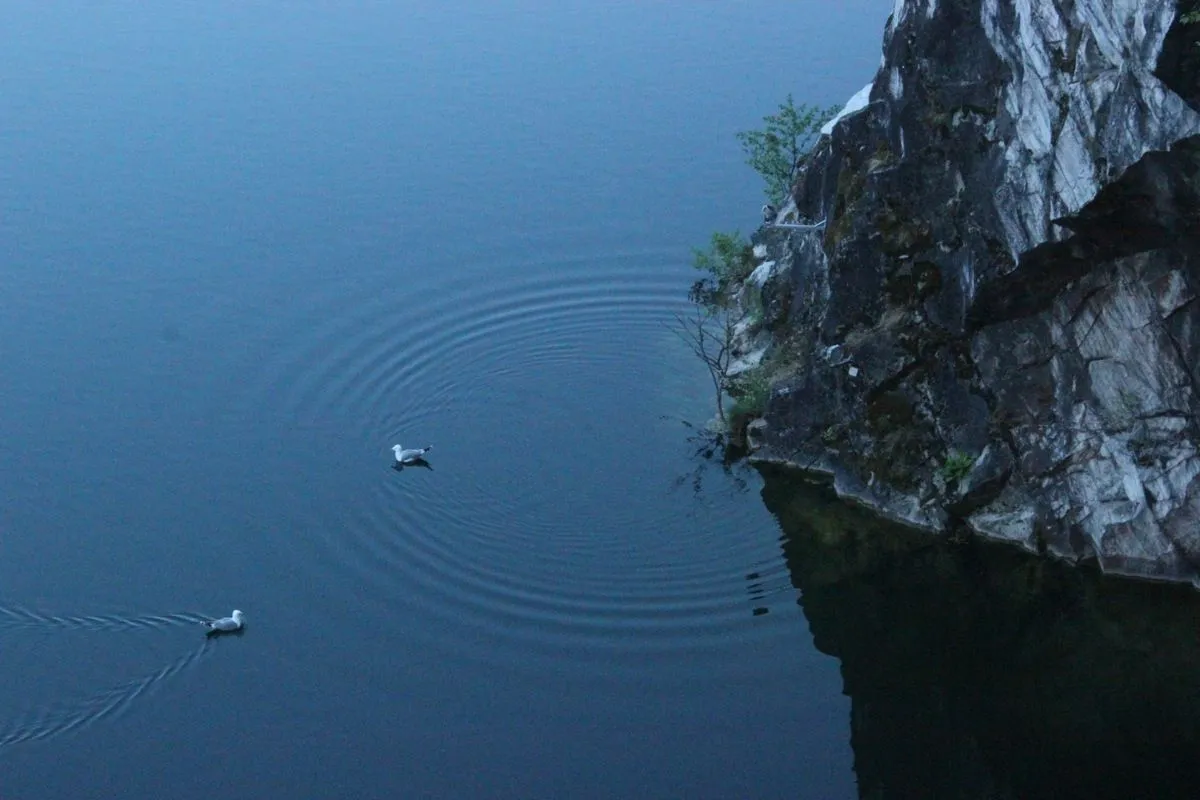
997	328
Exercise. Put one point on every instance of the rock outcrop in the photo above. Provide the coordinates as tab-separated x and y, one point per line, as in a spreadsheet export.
997	329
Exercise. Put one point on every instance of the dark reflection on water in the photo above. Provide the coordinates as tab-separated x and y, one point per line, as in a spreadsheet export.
716	465
418	463
975	670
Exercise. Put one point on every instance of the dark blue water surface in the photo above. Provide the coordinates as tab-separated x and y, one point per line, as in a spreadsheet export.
247	247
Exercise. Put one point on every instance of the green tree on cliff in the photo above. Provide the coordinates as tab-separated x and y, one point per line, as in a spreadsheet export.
778	150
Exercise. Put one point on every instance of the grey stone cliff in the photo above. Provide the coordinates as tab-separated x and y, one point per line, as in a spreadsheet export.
997	328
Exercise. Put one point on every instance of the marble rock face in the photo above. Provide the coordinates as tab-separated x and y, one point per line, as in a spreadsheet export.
996	329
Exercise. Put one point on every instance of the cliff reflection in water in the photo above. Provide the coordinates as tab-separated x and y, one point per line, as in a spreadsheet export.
975	670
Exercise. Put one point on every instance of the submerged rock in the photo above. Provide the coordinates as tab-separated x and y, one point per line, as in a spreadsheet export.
996	329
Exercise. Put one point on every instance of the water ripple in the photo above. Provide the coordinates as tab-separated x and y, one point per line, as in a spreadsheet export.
16	617
543	522
42	721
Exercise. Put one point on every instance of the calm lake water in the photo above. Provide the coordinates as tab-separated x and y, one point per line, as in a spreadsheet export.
247	247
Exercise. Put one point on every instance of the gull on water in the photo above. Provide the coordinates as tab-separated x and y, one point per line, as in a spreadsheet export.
409	456
226	624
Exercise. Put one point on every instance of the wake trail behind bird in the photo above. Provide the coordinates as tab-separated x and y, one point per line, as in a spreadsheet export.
61	718
15	617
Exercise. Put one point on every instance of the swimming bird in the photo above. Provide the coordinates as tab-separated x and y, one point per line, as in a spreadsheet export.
226	624
409	456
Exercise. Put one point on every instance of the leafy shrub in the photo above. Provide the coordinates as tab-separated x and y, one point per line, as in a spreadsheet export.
956	466
751	390
729	258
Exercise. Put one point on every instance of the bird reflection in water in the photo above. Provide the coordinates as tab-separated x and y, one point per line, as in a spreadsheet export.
416	462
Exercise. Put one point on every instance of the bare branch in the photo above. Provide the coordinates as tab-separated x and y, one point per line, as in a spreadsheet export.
709	334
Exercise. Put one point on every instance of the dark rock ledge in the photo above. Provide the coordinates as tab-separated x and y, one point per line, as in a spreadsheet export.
996	330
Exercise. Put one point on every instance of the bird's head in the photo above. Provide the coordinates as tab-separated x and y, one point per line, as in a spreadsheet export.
396	449
237	615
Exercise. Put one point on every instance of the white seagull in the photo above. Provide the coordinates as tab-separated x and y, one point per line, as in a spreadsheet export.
226	624
409	456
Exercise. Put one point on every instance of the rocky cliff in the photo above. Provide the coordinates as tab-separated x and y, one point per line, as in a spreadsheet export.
996	330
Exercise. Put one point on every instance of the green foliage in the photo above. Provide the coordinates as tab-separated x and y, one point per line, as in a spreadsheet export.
751	390
1191	18
729	258
957	466
777	151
